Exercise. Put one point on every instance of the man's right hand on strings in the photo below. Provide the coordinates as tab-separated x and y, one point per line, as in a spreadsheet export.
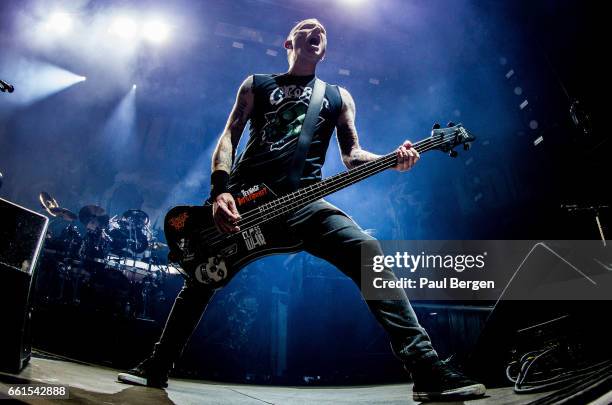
225	213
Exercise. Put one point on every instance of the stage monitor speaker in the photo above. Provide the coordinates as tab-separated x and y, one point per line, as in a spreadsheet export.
22	233
543	266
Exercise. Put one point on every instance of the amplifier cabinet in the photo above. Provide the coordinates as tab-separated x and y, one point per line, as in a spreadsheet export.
22	233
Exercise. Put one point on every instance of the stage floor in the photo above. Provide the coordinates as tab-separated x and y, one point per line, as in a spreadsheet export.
97	385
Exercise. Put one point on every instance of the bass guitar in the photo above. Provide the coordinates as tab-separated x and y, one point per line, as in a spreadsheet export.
211	257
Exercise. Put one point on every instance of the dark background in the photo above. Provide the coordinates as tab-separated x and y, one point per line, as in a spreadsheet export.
411	63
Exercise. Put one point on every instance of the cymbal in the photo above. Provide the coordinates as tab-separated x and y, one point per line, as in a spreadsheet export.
136	216
47	202
62	213
93	216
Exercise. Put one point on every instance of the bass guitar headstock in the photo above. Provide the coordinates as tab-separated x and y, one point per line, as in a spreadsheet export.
447	139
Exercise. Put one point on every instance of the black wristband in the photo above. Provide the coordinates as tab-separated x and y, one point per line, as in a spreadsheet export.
218	183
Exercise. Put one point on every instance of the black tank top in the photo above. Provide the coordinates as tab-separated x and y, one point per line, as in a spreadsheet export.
281	102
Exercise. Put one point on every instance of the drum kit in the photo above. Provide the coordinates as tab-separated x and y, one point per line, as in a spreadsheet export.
106	258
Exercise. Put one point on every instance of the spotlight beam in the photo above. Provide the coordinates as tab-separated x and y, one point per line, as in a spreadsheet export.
35	79
119	129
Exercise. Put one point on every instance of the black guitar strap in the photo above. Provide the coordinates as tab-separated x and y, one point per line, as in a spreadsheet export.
308	128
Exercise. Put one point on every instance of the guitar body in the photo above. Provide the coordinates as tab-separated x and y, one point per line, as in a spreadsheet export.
213	258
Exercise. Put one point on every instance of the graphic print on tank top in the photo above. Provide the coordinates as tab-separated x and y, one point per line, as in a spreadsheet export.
283	125
281	103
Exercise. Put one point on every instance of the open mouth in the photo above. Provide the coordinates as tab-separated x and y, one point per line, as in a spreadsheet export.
315	41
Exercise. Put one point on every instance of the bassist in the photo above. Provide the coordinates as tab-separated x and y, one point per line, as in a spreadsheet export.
276	106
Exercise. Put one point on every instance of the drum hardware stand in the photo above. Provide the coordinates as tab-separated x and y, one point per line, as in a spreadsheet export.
581	119
595	210
63	275
76	283
579	115
146	290
64	270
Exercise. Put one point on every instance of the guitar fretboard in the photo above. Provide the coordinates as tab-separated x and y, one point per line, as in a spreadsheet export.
295	200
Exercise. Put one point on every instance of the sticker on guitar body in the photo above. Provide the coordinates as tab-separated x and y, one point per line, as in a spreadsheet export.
251	194
253	237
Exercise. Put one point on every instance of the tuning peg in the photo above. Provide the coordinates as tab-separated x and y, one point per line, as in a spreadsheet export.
450	124
453	153
436	126
466	146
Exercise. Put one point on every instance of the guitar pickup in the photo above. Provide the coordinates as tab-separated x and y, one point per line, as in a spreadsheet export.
230	250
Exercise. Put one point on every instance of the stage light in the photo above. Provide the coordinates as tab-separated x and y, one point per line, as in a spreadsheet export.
133	87
124	27
352	2
36	79
156	31
59	23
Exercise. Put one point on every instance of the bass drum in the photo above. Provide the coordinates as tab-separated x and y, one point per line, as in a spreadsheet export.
94	245
118	242
127	238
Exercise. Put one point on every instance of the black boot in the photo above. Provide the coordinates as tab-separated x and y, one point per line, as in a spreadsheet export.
182	320
150	373
440	382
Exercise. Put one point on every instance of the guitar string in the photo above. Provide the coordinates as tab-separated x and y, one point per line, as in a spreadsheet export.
426	143
383	161
257	215
264	217
293	197
260	217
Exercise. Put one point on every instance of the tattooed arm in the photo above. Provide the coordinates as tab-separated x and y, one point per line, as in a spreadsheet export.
348	141
225	212
224	153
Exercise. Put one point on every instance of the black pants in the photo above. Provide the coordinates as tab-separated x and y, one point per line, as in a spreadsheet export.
330	234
